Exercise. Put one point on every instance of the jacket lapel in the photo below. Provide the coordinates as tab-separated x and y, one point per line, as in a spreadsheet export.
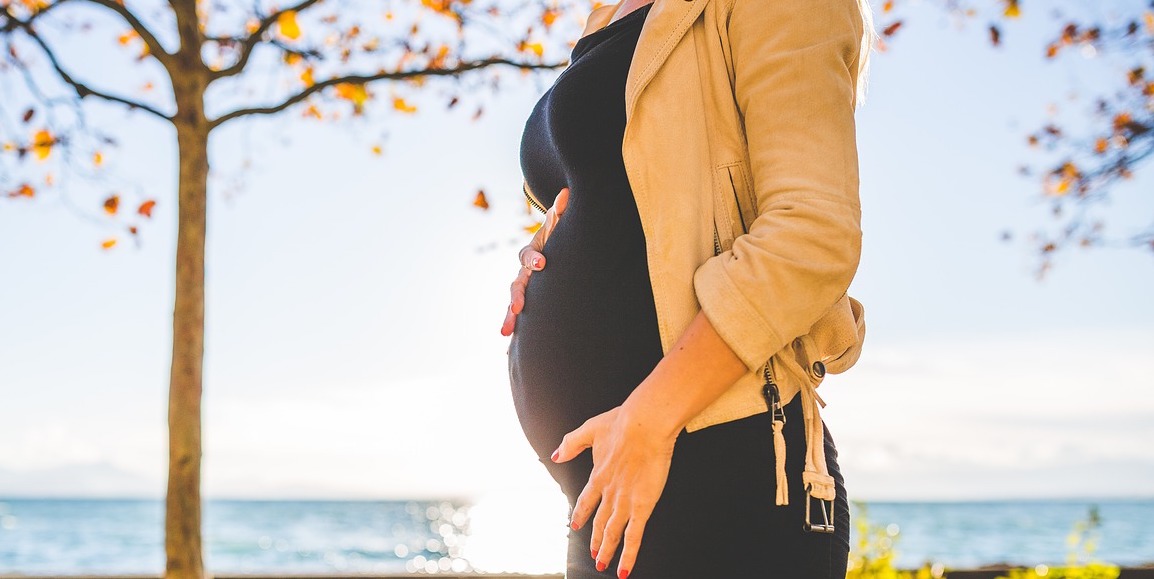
666	23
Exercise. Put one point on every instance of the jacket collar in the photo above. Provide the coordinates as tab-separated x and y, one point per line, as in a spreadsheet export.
666	23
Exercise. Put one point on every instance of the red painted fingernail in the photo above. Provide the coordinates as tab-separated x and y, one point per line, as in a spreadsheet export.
536	261
623	574
573	525
556	453
602	566
593	552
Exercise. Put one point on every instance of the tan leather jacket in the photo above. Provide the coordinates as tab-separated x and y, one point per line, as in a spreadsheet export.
751	102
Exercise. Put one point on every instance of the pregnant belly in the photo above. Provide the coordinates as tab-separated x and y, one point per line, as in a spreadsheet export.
587	335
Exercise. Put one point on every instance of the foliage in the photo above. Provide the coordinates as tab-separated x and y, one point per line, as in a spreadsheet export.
1112	138
873	555
1080	564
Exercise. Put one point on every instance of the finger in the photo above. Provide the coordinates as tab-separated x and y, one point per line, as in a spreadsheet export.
510	321
517	290
562	201
632	545
610	534
531	258
597	530
586	502
575	442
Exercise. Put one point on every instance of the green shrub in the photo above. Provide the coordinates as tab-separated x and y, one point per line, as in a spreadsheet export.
1080	563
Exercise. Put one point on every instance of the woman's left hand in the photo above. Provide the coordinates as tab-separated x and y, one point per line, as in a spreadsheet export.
631	460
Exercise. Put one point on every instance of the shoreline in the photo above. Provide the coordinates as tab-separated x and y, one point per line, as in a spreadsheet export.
989	572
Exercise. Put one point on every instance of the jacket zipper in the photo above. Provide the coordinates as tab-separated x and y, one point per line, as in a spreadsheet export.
533	202
716	243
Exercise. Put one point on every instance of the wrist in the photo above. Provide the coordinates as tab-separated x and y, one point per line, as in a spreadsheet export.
653	415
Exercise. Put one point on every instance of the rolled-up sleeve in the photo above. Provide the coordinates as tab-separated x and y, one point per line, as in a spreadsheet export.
795	75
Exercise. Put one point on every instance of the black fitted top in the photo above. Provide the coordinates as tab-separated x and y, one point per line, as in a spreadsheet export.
587	335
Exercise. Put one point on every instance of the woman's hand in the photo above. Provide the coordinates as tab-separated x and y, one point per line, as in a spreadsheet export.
631	462
532	260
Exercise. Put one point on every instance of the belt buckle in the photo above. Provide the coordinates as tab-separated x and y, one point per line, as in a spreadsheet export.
826	526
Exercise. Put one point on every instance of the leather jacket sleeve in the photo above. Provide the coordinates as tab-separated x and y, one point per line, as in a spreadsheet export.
794	66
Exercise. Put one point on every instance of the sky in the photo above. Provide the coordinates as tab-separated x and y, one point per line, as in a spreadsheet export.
354	303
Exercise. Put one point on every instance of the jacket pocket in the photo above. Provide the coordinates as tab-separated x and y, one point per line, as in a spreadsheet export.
733	208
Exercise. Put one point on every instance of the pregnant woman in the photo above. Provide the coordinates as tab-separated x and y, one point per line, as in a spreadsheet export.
683	452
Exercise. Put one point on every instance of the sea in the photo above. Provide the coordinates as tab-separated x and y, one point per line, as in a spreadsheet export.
126	536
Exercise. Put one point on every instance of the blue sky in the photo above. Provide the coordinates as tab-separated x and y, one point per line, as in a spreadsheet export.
354	303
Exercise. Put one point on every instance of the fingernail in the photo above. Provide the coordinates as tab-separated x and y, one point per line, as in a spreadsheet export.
602	566
623	574
536	262
593	552
556	453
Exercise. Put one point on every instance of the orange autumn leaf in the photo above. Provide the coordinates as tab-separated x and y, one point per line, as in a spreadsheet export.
42	143
548	17
145	208
313	111
127	37
892	28
112	204
108	243
1101	145
97	159
400	104
307	77
251	25
888	6
25	190
532	228
480	200
287	25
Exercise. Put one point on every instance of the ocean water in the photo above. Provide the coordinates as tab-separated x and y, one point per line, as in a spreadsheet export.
73	536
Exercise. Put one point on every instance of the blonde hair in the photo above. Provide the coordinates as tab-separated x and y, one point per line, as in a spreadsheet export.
868	41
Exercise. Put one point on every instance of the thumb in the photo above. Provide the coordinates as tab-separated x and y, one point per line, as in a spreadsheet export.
574	443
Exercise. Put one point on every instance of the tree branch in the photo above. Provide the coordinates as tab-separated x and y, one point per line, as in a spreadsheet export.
82	90
154	46
249	43
363	79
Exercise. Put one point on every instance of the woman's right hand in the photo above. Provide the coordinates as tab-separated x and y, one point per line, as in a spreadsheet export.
532	260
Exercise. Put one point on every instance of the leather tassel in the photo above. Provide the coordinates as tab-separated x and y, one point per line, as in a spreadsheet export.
779	455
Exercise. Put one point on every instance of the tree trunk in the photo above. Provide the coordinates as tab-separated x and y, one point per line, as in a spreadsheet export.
183	543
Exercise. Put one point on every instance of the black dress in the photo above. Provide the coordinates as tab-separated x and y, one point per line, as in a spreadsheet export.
588	336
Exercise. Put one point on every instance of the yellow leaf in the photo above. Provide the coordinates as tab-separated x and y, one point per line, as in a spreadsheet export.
127	37
42	144
9	146
400	104
355	93
97	159
888	6
307	77
314	112
251	25
480	200
287	23
1149	18
108	243
377	150
291	58
1101	145
535	47
1013	10
112	204
532	228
